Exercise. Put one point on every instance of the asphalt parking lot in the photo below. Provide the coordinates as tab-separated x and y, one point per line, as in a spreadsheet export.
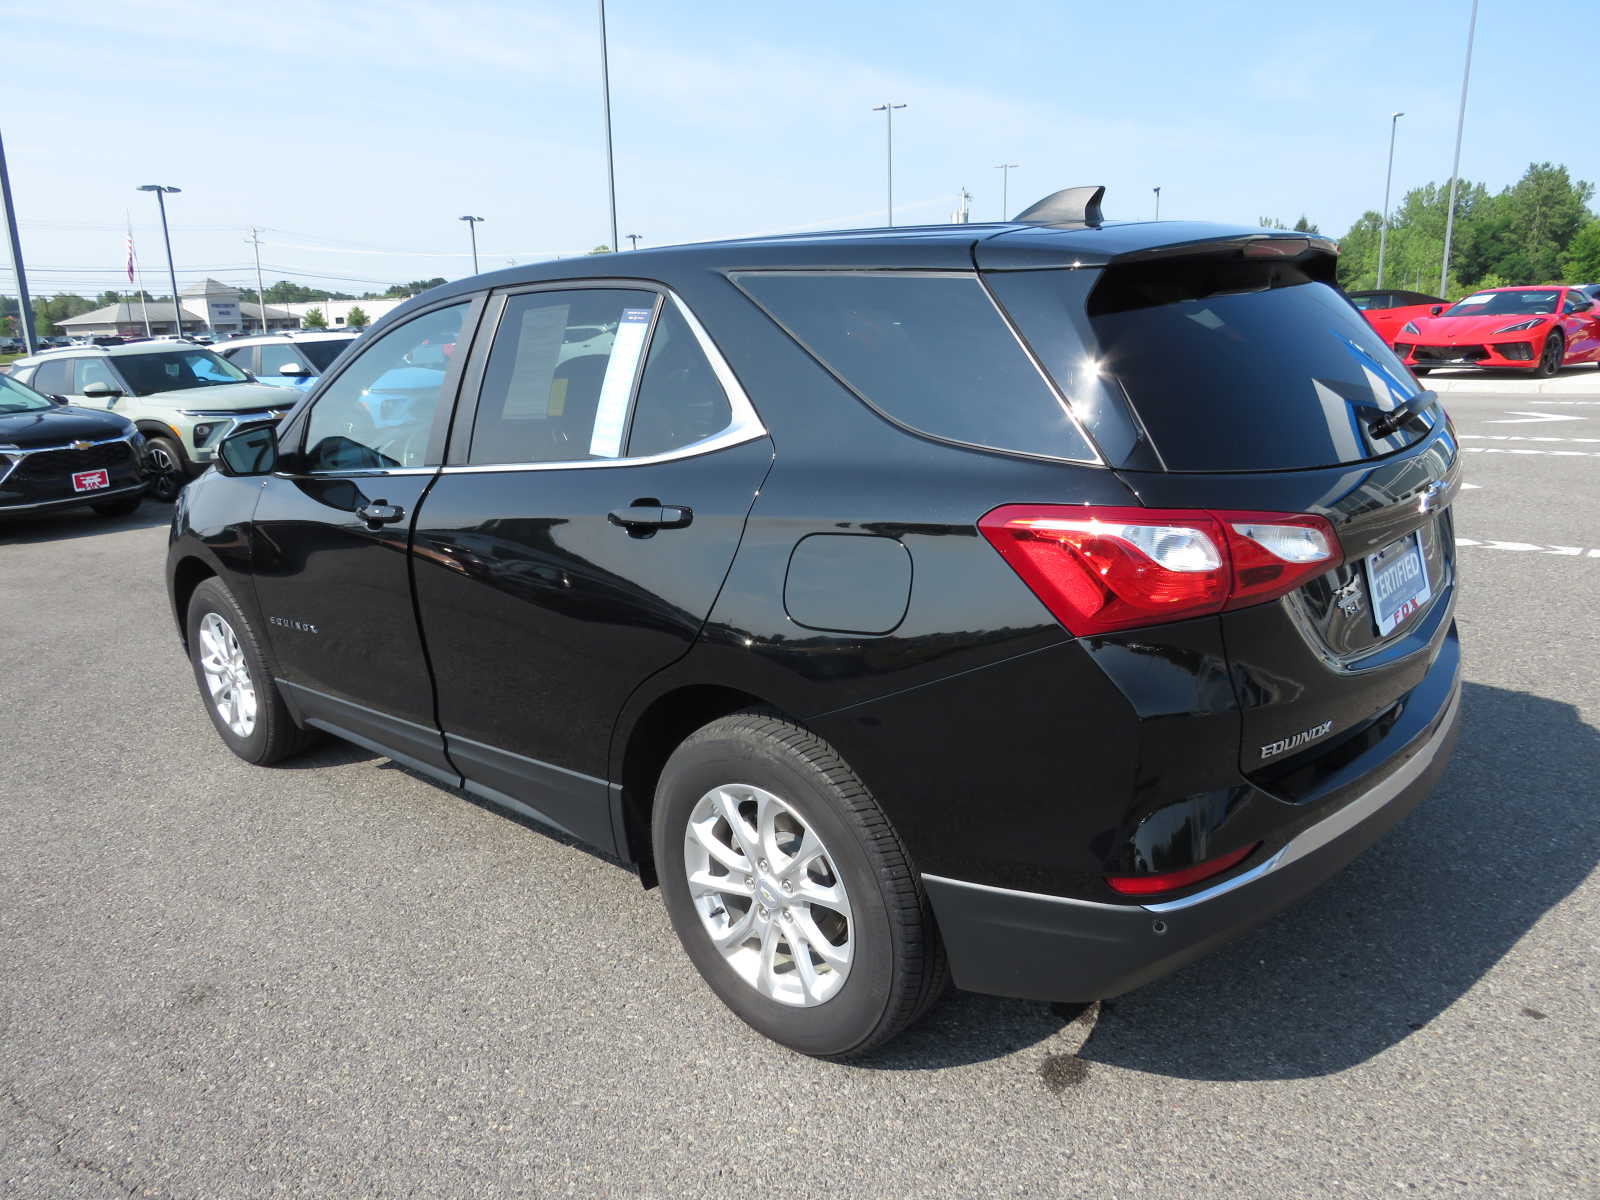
337	979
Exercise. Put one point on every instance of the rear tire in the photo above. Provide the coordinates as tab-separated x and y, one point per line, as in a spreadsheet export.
169	468
240	696
1421	372
118	508
854	955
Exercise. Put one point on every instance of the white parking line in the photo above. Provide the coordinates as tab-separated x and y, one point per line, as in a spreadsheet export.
1535	418
1520	437
1516	450
1530	548
1537	400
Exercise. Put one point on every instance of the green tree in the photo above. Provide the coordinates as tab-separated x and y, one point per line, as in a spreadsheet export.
1582	263
1305	226
415	288
602	248
1270	223
358	318
314	319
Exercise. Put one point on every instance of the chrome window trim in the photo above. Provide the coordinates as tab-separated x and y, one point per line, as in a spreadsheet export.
745	426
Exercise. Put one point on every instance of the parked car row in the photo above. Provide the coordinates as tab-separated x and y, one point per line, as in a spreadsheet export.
1533	329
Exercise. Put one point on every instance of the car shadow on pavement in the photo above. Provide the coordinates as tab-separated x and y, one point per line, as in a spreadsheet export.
79	522
1371	957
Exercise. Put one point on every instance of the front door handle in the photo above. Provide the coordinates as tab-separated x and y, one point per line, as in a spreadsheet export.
377	513
648	517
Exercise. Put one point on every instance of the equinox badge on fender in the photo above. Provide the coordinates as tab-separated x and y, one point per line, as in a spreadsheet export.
1273	749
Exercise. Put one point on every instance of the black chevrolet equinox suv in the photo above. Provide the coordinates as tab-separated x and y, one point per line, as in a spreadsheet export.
1036	604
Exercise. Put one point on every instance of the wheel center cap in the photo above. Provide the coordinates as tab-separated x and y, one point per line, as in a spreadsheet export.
768	894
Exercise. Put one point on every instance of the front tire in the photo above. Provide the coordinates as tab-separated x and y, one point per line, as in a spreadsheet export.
168	466
1555	349
240	696
790	890
1421	372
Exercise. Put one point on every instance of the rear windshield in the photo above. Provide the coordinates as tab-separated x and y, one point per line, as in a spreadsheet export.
1228	364
930	352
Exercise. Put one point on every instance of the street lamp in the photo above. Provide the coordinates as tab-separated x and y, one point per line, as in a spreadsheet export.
1383	232
887	110
472	226
162	192
633	239
1157	191
1005	170
605	87
1455	167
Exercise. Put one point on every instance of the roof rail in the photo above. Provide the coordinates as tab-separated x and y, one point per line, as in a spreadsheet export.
1069	206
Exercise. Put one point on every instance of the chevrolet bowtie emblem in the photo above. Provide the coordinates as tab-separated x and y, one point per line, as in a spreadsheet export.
82	445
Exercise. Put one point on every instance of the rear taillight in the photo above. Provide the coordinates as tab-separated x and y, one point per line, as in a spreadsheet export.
1099	569
1171	881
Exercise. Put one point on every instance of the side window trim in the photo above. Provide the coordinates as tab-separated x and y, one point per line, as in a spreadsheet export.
745	426
443	416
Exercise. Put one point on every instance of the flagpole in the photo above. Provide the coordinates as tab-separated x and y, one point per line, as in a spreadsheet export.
133	262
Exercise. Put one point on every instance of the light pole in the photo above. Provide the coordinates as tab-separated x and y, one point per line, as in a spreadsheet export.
1383	233
1455	167
24	305
261	294
633	240
162	192
472	227
1157	191
1005	170
605	87
887	109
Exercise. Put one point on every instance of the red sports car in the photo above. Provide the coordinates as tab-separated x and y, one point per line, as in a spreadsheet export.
1388	310
1537	329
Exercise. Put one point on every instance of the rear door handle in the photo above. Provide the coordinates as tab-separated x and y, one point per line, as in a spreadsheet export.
380	512
649	517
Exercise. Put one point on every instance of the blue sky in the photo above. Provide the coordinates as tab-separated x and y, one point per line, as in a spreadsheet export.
355	135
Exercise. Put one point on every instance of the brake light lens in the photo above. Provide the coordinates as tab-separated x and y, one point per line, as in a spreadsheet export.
1099	569
1171	881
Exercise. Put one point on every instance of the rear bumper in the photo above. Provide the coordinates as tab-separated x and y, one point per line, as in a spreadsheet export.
1033	946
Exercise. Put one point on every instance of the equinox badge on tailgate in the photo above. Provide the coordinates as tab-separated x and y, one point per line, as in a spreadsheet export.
1273	749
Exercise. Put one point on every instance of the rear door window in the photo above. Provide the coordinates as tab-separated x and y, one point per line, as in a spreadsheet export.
1229	364
929	352
54	378
560	377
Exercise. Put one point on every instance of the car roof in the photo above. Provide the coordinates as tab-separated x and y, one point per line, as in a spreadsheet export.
1001	245
130	350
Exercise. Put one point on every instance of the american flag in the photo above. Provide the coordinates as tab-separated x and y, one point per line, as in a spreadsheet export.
130	256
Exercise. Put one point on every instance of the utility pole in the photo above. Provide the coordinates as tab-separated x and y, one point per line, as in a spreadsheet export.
1157	191
1005	170
1455	167
887	109
161	192
1388	178
25	306
633	238
261	292
605	87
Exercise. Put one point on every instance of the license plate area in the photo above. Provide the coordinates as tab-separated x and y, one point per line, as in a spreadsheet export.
1397	579
90	481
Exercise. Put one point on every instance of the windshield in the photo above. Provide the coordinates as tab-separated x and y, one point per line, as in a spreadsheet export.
1531	302
323	353
17	398
177	370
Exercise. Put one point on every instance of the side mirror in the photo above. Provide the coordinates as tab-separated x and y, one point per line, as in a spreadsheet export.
291	368
100	390
1435	310
251	451
57	399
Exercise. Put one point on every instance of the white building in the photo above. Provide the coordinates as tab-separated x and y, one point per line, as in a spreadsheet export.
208	306
337	312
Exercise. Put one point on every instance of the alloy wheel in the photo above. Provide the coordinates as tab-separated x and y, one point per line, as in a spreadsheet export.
233	692
168	474
768	895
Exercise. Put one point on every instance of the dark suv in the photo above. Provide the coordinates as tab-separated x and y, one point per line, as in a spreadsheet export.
1038	603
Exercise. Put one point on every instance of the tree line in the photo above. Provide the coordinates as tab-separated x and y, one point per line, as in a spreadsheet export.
1538	230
